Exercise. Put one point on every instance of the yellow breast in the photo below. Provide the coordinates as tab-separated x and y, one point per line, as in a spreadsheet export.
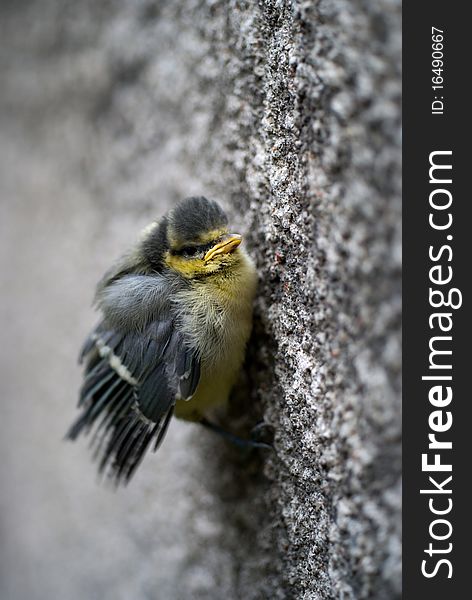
218	320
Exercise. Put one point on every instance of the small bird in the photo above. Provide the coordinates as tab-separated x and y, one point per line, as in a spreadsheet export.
176	314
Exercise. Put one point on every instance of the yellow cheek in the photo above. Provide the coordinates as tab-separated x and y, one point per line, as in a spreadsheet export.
187	268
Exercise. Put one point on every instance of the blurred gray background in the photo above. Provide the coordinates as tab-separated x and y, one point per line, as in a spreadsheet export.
288	114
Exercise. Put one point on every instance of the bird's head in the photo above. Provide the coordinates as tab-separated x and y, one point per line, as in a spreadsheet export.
193	240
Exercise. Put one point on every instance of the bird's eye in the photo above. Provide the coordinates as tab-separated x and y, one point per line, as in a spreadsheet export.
188	251
193	251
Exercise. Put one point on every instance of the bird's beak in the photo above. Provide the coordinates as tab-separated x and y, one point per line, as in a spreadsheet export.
228	244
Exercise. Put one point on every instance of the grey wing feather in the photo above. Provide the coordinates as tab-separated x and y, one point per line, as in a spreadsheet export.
132	381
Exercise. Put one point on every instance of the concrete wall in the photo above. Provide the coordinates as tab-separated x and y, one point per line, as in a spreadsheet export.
288	114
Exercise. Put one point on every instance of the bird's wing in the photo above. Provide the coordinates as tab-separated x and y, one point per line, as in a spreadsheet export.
132	381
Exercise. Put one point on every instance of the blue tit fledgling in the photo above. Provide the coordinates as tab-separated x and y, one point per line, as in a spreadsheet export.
176	314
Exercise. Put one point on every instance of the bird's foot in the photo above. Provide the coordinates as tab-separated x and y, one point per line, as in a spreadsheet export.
264	433
243	443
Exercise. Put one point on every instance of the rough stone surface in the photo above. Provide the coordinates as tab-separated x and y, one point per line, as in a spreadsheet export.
287	113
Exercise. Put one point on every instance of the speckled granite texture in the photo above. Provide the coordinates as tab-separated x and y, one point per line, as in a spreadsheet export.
288	113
